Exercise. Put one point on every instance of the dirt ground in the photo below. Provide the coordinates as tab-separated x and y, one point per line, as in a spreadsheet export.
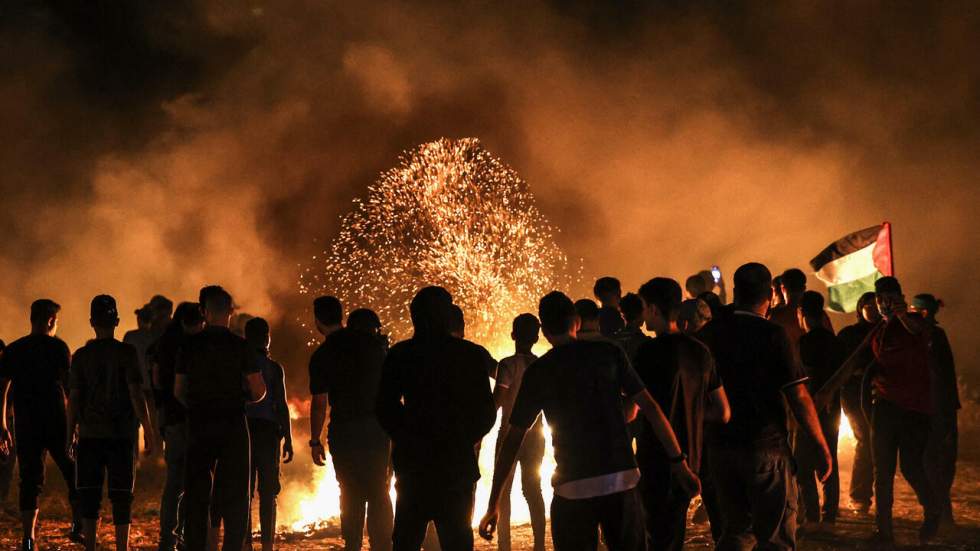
849	532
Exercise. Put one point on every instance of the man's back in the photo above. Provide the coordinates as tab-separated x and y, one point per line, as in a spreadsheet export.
435	403
37	366
215	362
754	359
631	339
510	375
786	317
822	354
347	368
579	386
102	371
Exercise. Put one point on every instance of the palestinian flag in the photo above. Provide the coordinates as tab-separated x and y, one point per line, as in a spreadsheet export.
850	265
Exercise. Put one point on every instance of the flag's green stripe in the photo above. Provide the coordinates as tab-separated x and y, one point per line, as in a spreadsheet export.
844	297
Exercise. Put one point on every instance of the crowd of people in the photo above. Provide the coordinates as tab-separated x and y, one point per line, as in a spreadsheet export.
739	403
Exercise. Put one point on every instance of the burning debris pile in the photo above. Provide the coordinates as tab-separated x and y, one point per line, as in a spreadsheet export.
450	214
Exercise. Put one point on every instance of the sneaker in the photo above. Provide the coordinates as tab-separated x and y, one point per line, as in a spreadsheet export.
929	529
861	507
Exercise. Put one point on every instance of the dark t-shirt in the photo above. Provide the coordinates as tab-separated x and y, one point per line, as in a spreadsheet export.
610	321
851	338
822	354
580	387
945	390
37	366
755	360
434	402
102	371
657	363
163	354
216	362
347	368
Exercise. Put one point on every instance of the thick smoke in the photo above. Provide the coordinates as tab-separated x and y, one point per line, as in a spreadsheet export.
150	151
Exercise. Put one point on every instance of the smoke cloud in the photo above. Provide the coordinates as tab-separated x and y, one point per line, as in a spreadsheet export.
154	151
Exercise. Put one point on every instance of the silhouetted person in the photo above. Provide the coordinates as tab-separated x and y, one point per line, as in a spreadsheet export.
777	293
588	313
696	285
751	462
901	421
35	369
188	320
435	404
141	338
793	287
213	367
106	406
608	292
855	400
579	385
680	374
510	374
457	322
631	336
161	309
692	315
943	445
822	354
271	437
8	454
346	371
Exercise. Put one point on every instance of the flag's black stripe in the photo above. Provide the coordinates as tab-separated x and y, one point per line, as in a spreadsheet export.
845	245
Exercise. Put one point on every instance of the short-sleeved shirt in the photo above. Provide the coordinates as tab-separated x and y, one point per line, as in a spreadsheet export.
754	358
580	387
657	363
37	367
102	371
141	339
347	368
216	362
903	376
510	375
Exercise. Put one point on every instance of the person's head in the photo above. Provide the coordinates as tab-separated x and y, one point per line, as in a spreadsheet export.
144	317
927	306
189	317
328	314
867	308
558	318
218	308
713	301
632	308
430	312
661	297
588	314
525	330
457	323
793	285
695	285
103	314
810	311
692	315
608	291
888	296
257	334
777	292
44	316
161	307
364	320
753	283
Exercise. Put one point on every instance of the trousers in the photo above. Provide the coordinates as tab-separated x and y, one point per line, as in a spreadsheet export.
575	523
172	504
361	454
862	470
37	436
266	450
529	458
218	463
449	507
808	460
940	460
899	434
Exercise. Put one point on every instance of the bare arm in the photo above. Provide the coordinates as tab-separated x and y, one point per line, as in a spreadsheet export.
318	417
138	399
500	395
805	413
5	384
504	465
256	387
74	397
718	410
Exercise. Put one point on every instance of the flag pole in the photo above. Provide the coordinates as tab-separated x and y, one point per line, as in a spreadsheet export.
891	248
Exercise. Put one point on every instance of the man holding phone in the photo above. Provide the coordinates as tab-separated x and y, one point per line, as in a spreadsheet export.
899	348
